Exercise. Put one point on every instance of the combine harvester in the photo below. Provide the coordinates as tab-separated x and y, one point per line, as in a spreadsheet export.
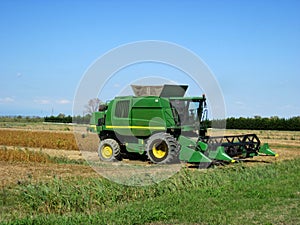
162	124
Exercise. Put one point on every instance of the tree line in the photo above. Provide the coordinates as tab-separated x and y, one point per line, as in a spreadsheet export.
258	123
21	119
60	118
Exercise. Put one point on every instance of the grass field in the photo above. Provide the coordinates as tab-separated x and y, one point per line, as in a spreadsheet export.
41	186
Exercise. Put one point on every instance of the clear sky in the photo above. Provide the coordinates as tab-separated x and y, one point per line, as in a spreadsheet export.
252	48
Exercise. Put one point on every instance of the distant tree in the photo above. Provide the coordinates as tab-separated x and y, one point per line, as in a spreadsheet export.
61	115
60	118
82	119
93	105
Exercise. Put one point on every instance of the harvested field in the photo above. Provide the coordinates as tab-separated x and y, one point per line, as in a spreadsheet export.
34	148
14	173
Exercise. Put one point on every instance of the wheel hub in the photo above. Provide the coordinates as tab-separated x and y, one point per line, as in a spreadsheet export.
159	150
107	152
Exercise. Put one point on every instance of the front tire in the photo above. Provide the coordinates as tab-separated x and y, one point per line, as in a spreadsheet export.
109	150
162	148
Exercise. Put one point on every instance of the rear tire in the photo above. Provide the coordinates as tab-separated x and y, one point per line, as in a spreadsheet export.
162	148
109	150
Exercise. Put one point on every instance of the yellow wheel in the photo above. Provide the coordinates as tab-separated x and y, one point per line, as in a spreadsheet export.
109	150
162	148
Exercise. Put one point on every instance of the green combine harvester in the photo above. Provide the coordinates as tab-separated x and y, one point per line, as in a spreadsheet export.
166	127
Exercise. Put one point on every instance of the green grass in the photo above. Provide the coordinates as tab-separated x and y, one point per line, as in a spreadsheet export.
268	194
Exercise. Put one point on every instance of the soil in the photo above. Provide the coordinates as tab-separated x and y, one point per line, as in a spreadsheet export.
18	172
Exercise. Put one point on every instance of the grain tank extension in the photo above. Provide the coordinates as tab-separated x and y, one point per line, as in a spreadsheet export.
162	124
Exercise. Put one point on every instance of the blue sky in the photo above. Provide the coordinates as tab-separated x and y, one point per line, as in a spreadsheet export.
252	48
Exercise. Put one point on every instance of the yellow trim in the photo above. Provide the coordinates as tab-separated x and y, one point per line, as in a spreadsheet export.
135	127
93	126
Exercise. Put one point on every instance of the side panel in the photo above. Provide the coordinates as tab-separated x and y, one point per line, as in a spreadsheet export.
150	114
145	121
139	116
